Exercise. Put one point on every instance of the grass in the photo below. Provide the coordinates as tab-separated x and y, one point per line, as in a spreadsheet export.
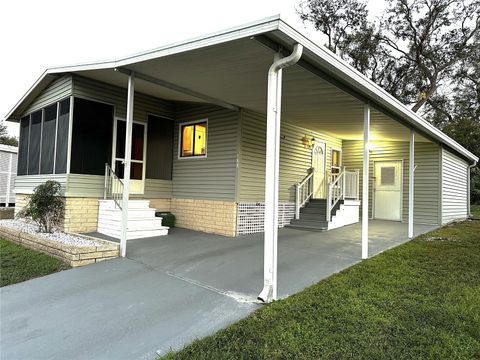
420	300
18	264
475	209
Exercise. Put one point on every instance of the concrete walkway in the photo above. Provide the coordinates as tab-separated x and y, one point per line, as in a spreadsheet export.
169	291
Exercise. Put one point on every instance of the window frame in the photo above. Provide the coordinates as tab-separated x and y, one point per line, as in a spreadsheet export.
180	139
340	157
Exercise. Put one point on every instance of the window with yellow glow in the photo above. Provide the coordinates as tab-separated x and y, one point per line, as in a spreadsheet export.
193	141
336	161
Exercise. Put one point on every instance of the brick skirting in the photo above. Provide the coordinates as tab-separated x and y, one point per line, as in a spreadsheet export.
71	255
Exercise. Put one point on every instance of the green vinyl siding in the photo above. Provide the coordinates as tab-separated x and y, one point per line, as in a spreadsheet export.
59	89
454	187
212	177
25	184
427	174
295	159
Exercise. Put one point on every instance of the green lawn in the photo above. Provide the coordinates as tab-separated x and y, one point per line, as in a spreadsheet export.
475	209
420	300
19	264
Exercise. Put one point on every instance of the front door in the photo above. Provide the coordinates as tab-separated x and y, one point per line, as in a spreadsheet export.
388	190
137	166
318	165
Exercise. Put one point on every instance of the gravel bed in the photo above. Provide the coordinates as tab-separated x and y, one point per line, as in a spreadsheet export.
61	237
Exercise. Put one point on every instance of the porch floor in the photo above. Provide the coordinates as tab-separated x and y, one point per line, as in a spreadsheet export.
169	291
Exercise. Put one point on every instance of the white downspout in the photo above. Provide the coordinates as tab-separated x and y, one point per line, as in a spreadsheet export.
469	213
272	160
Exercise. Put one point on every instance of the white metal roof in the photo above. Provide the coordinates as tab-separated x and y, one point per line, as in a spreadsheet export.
231	67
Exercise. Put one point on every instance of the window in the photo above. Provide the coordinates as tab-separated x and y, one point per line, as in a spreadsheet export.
92	132
48	139
336	161
193	139
387	175
44	140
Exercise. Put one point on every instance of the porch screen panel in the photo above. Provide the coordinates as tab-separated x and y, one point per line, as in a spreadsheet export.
62	137
159	148
34	146
22	168
48	139
91	137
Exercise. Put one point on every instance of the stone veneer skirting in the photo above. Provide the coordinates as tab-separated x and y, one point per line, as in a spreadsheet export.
210	216
81	213
71	255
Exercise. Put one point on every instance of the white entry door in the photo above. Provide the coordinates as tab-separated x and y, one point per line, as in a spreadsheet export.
318	165
388	190
137	165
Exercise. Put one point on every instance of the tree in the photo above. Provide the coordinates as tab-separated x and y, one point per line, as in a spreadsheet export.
412	52
5	139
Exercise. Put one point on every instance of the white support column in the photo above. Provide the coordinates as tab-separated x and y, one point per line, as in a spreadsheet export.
411	169
9	181
127	162
366	159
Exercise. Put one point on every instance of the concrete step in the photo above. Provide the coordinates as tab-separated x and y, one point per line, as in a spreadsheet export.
309	222
132	204
312	217
135	234
132	214
307	227
132	225
313	210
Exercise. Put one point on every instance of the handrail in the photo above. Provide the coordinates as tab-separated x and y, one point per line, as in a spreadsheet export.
345	186
303	192
113	187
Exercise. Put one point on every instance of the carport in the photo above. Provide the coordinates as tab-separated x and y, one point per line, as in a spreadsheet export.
242	68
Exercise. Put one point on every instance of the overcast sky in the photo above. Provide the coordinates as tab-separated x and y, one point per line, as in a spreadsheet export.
36	35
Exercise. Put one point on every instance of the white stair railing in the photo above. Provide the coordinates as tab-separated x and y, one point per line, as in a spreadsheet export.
303	193
113	187
345	185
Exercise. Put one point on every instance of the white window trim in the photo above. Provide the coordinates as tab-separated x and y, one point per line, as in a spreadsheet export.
180	157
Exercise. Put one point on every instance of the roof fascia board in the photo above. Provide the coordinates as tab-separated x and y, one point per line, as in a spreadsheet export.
239	32
373	91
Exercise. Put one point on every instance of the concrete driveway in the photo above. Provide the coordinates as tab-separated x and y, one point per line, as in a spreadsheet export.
169	291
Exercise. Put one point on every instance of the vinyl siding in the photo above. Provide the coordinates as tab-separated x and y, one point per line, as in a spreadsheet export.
427	174
59	89
454	187
80	185
295	159
212	177
25	184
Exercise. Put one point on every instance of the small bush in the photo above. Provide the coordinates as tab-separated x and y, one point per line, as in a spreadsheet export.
45	207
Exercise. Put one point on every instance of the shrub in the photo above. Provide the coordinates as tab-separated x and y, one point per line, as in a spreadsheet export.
45	207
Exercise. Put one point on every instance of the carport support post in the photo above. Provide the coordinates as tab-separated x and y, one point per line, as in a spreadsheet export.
126	173
411	169
366	156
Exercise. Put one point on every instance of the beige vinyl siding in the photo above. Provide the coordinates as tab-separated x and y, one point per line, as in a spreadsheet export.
427	175
143	104
80	185
59	89
454	187
25	184
158	189
212	177
295	159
